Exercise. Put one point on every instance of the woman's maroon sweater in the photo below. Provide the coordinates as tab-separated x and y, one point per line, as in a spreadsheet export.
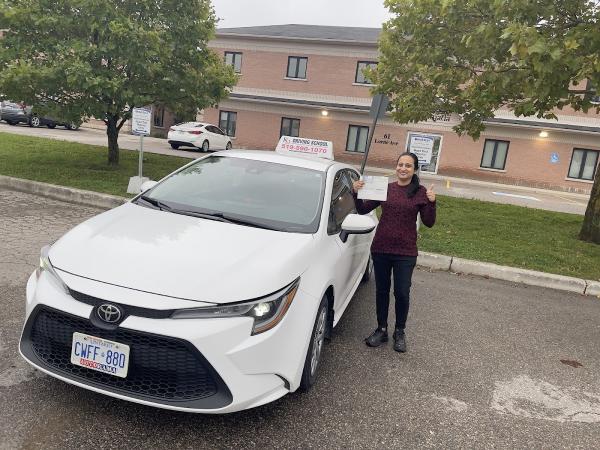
397	229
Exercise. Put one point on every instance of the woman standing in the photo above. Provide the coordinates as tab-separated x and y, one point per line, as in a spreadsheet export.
394	248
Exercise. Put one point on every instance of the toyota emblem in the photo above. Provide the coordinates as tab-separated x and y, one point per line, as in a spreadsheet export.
109	313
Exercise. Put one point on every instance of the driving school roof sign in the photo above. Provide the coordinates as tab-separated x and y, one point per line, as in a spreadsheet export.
313	147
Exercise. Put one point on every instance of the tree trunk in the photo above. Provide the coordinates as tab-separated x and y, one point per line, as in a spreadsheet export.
590	230
112	131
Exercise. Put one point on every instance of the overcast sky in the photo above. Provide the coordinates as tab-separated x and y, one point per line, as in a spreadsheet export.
350	13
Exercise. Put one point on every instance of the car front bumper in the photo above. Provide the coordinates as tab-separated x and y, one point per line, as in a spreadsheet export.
193	365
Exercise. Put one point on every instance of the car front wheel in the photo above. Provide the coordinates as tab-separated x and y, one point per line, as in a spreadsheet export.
72	126
174	146
34	121
205	146
228	146
315	349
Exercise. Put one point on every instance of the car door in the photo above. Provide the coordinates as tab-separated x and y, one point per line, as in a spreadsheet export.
216	140
222	136
351	251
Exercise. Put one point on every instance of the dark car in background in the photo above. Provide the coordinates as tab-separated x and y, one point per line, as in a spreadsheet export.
14	113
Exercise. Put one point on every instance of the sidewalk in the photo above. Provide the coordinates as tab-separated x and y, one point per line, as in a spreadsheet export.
425	260
424	176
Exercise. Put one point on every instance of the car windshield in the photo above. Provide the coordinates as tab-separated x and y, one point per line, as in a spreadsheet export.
245	191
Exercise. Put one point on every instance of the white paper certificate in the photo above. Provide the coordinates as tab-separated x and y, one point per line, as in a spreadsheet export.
375	188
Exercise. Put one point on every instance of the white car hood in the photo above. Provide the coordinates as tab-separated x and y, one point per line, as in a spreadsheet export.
182	256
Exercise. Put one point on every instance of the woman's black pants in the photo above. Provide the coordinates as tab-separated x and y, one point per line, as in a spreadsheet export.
402	267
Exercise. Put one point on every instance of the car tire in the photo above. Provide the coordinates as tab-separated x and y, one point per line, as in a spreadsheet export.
52	126
228	146
10	122
205	146
315	348
72	126
368	271
174	146
34	121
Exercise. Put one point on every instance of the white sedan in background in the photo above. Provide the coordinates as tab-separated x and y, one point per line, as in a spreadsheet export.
212	292
200	135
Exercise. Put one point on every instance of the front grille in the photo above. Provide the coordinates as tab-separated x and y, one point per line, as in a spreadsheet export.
129	310
161	369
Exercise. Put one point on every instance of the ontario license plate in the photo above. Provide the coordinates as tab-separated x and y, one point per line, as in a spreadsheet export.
100	354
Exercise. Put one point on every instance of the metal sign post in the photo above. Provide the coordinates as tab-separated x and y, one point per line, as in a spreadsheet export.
140	125
141	156
378	108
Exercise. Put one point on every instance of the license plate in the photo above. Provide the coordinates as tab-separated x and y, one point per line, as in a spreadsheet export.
100	354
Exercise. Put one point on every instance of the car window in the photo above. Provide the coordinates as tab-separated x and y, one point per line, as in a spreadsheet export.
210	129
219	131
279	196
342	201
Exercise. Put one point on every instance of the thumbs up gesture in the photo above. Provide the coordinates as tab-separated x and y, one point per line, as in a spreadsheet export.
430	194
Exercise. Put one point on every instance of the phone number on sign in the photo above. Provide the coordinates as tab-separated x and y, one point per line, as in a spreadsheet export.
304	148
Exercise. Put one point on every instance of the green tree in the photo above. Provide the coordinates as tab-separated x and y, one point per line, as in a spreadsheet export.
471	57
100	58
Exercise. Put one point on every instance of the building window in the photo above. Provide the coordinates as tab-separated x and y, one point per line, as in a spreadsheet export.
290	127
234	59
583	164
593	95
357	139
227	122
360	76
159	116
297	67
494	154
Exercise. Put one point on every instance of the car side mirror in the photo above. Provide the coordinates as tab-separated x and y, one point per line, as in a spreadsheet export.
356	224
147	185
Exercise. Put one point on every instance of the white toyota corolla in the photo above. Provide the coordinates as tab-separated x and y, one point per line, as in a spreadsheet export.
211	292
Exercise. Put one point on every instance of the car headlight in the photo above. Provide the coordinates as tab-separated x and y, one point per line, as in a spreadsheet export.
46	266
266	312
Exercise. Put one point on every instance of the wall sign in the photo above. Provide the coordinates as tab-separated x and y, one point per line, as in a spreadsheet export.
422	146
387	140
554	159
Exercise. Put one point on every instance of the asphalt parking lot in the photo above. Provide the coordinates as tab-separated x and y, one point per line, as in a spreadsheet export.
490	364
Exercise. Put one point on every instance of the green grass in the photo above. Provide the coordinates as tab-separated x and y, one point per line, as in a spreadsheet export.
512	236
77	165
501	234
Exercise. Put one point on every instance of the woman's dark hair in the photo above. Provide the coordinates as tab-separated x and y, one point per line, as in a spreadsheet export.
413	187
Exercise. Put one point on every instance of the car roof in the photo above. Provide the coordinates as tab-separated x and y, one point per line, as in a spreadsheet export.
307	162
193	124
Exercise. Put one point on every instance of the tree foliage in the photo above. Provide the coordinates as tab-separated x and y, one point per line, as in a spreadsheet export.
471	57
100	58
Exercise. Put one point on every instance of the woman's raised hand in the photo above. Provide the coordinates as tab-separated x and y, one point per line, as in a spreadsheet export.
430	194
356	185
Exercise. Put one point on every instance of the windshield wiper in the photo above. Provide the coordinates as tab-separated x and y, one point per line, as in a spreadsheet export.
157	203
223	218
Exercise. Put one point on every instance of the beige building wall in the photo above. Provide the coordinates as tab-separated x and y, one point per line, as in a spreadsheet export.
263	96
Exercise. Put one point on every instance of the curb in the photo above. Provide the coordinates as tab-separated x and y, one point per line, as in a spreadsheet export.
452	264
426	260
66	194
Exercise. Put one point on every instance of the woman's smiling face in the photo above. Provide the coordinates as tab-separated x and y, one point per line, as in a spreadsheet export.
405	169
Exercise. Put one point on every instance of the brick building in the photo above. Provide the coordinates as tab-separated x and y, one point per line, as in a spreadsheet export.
308	81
